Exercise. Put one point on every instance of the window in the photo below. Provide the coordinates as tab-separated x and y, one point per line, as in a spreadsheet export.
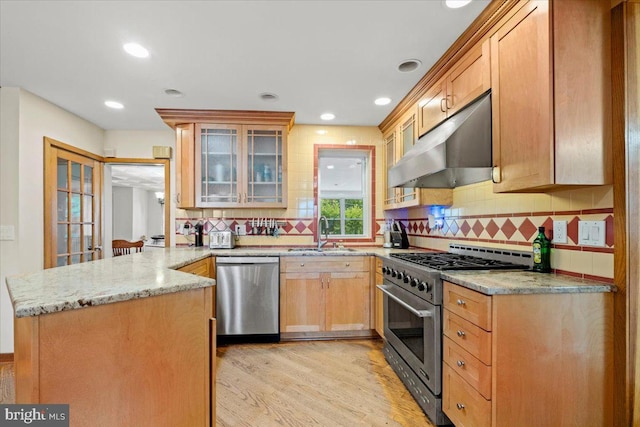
344	197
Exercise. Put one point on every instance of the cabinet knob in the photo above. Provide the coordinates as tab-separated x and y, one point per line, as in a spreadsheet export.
461	302
460	363
347	264
302	264
460	406
460	333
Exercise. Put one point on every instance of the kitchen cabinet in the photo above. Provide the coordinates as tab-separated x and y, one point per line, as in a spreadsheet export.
379	299
467	79
397	141
230	159
527	360
98	359
205	268
324	296
551	96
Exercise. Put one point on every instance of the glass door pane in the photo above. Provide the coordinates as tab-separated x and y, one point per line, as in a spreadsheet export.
408	140
264	155
390	153
218	165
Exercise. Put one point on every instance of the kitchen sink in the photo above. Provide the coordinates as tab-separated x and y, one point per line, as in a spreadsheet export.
322	250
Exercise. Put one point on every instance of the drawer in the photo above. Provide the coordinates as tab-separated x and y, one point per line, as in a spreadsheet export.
471	305
470	368
324	264
462	403
199	268
471	338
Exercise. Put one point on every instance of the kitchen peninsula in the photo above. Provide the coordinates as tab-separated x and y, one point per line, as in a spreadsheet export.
125	340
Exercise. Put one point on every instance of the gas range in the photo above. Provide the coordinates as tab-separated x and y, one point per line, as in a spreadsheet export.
412	290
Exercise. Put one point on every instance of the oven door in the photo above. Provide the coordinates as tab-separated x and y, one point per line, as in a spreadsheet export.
413	327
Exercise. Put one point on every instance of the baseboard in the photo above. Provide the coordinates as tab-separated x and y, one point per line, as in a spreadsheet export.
6	357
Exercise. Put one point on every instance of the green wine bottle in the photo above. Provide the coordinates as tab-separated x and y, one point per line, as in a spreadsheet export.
541	252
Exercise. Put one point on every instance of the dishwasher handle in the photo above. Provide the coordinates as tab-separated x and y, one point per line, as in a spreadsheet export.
247	260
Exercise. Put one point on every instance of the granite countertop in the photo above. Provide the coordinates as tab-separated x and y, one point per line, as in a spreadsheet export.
154	272
523	282
105	281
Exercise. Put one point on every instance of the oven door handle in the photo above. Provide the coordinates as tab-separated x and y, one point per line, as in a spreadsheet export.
386	289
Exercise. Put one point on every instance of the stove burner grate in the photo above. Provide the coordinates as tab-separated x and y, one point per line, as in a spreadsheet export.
449	261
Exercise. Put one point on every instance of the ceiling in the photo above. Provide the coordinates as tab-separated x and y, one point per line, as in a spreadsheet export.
316	56
144	177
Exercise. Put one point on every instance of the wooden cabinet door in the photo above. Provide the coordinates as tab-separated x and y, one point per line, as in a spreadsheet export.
347	301
469	78
521	100
302	302
432	108
185	166
390	197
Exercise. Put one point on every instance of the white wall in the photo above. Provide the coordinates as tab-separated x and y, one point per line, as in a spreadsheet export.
122	199
22	193
140	213
155	211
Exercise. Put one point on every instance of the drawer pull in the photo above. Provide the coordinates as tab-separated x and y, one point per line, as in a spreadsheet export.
347	264
460	406
460	363
461	302
460	333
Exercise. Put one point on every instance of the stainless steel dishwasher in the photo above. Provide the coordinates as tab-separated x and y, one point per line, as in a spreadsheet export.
247	299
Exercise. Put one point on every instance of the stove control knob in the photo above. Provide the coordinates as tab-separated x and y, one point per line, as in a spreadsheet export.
414	283
400	275
393	273
386	270
407	278
421	287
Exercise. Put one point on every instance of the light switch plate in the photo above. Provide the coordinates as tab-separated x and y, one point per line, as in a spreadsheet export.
559	232
591	233
7	232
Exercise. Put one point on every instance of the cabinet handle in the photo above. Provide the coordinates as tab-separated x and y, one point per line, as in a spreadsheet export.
460	333
442	108
328	282
496	175
447	102
461	302
460	363
178	198
460	406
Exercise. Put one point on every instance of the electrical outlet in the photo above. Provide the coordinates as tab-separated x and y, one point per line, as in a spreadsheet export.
591	233
241	230
559	232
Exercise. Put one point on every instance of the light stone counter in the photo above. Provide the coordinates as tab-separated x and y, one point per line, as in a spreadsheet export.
523	282
105	281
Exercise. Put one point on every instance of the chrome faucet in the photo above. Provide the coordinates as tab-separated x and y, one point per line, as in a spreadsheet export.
326	231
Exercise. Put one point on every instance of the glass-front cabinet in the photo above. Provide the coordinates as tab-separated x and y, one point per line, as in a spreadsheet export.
240	166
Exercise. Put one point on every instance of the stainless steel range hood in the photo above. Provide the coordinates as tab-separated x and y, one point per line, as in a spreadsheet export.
456	152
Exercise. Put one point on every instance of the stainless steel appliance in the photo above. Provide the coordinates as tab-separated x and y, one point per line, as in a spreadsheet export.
222	239
247	299
413	314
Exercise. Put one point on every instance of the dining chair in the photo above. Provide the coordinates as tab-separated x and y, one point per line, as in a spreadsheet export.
123	247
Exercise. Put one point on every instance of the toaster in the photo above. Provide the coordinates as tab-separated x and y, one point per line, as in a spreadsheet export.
222	240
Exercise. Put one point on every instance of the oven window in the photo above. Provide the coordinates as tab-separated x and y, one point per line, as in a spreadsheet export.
408	327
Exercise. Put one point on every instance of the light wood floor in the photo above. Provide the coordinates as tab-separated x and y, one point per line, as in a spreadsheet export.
315	383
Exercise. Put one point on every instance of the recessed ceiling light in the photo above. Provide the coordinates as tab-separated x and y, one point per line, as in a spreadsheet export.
382	101
134	49
409	65
269	97
321	132
351	142
328	116
330	166
174	92
114	104
456	4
